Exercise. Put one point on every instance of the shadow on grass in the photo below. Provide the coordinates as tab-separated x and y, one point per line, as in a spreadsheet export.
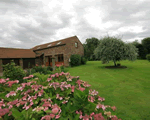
114	68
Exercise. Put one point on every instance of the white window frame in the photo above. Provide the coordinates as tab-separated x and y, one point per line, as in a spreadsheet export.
76	44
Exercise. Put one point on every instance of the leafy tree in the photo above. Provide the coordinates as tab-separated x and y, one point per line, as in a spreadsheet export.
89	47
141	50
114	49
146	44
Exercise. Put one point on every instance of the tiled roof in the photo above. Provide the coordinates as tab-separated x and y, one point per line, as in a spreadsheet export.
28	53
16	53
52	44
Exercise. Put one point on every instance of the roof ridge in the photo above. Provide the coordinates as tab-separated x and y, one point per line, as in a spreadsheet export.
53	41
13	48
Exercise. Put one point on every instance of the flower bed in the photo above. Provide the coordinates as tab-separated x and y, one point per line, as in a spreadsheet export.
61	97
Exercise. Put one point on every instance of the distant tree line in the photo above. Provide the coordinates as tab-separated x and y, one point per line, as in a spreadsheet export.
143	47
92	43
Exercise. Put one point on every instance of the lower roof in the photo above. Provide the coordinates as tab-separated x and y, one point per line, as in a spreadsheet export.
16	53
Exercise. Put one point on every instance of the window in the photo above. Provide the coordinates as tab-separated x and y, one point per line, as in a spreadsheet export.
60	58
76	44
49	45
38	47
58	43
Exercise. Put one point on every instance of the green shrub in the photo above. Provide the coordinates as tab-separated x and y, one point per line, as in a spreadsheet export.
49	68
13	72
75	60
83	60
30	71
60	69
148	57
42	69
60	95
41	78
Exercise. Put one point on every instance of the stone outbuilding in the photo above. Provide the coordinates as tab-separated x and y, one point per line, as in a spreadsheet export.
59	51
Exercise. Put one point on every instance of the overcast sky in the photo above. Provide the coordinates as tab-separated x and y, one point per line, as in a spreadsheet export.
27	23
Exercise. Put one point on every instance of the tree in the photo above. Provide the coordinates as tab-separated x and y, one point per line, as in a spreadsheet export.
146	44
114	49
141	51
89	47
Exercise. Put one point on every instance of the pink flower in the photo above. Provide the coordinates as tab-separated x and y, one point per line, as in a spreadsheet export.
103	107
37	65
72	87
10	106
40	93
36	87
57	65
10	113
92	114
99	106
57	96
55	110
25	97
52	115
31	76
46	104
4	111
98	117
10	83
114	118
2	81
2	103
82	89
13	102
57	116
101	99
49	79
46	117
25	77
93	92
53	75
12	93
56	74
79	82
86	117
69	79
7	79
92	99
46	108
113	108
64	102
20	88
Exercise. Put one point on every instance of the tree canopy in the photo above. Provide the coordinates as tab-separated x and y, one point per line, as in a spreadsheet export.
141	50
114	49
146	44
89	47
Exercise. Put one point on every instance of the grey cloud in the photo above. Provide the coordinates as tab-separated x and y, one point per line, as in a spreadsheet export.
14	20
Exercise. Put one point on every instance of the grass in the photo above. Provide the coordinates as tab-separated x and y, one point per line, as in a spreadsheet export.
128	89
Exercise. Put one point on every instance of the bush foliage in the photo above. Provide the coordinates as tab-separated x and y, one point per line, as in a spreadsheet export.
48	97
148	57
75	60
13	72
83	60
41	69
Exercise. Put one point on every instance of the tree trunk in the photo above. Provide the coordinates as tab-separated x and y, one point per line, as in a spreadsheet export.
114	62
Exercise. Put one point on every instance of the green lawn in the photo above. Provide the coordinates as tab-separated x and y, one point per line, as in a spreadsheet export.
127	89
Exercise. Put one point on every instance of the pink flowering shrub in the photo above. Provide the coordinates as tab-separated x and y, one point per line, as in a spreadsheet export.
60	96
